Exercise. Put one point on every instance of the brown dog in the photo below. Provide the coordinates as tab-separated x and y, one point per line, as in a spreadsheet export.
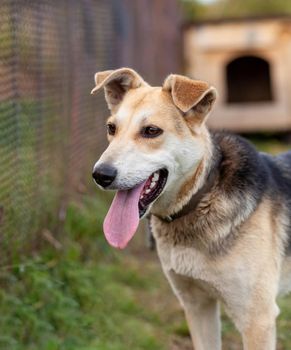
221	211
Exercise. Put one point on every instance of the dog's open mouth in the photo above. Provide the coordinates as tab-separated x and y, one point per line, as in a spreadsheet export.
129	206
152	189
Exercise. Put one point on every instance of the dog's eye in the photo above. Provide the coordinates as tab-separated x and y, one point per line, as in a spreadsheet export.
111	128
151	131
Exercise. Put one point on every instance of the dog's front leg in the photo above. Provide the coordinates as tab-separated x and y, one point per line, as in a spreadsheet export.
260	333
257	321
202	312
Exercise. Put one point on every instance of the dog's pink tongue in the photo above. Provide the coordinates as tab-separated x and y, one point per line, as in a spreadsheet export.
122	219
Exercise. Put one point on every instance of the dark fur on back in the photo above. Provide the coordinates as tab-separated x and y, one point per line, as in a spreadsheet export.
259	174
245	178
242	170
279	188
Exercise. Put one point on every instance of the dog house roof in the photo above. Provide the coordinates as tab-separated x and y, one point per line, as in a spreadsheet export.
220	21
238	33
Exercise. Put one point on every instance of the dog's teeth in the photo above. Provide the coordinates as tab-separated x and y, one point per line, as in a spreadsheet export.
147	191
156	176
153	184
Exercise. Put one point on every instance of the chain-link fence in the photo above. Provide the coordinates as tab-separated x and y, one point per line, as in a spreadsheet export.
49	123
49	52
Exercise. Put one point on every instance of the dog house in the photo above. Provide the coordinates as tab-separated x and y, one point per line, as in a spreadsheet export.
248	60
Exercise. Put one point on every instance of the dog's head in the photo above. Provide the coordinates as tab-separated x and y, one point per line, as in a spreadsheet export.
157	137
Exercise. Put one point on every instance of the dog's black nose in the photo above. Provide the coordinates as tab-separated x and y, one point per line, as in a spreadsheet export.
104	174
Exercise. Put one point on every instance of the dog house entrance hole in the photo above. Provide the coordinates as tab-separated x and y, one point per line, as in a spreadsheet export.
248	80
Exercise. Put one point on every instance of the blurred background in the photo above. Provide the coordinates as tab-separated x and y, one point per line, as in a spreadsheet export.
61	286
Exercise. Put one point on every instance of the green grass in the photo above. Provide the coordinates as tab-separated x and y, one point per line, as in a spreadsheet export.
269	144
83	296
62	304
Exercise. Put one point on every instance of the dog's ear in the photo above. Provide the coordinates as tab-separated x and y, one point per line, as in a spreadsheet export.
116	83
193	97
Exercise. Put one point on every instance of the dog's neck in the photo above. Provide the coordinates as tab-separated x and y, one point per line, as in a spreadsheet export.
174	199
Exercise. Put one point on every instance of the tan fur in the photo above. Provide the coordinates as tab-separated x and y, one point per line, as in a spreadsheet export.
116	84
188	185
238	262
100	77
186	92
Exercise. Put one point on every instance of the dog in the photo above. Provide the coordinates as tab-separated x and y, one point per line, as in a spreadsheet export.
220	210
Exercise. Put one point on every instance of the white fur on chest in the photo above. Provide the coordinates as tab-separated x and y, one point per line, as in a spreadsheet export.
191	262
184	261
227	281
